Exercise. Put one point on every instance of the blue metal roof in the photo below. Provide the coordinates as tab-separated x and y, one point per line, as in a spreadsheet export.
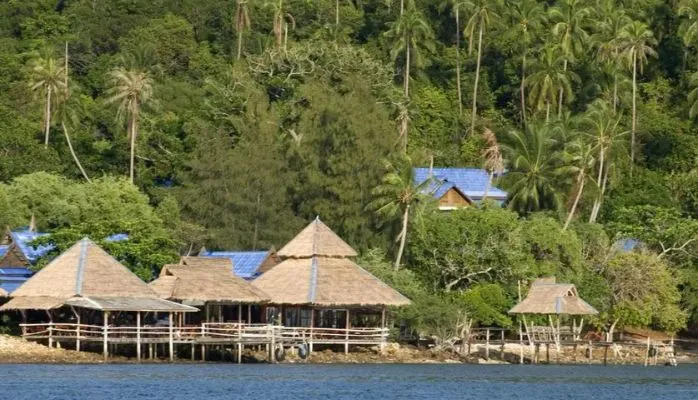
10	287
245	263
22	238
3	249
627	245
12	271
117	237
470	181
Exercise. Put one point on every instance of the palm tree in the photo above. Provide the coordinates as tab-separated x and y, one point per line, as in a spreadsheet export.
693	96
611	19
408	34
494	163
689	26
399	196
132	89
281	18
636	41
456	5
48	78
242	22
548	79
570	17
532	169
603	130
580	161
483	15
526	18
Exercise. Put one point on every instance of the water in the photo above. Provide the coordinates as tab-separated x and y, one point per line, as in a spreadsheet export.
329	382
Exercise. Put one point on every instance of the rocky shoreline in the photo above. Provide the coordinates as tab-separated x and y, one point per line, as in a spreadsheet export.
14	350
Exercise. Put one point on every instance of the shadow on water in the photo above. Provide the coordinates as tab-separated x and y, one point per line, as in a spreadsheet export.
325	382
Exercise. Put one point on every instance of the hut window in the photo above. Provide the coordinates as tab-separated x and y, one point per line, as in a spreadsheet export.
305	317
271	314
290	316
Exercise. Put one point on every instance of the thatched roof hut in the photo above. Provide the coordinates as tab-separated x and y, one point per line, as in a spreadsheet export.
317	271
87	276
3	293
550	298
198	283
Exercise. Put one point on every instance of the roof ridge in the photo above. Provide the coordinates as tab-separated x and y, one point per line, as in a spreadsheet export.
80	272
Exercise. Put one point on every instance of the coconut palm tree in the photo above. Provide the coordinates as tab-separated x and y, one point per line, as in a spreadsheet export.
689	26
282	19
47	78
548	79
131	89
483	14
579	162
602	127
611	19
400	196
494	163
693	96
533	169
570	20
636	41
408	35
242	22
456	6
526	18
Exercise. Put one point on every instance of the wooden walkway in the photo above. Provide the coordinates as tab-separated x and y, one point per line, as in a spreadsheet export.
207	334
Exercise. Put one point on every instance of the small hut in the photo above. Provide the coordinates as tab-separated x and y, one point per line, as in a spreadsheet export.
554	300
85	285
318	286
210	285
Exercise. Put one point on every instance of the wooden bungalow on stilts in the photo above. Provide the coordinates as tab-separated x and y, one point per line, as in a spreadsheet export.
317	292
556	301
87	297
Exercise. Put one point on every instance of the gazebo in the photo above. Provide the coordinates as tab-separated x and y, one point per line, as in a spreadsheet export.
554	300
86	287
210	285
318	287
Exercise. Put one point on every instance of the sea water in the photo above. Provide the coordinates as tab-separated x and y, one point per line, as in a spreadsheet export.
328	382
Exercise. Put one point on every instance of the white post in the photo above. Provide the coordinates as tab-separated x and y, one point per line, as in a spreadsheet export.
138	335
384	337
24	322
105	336
346	343
171	337
312	329
77	329
50	328
249	313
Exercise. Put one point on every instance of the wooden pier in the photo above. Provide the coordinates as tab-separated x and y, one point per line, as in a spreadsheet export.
235	335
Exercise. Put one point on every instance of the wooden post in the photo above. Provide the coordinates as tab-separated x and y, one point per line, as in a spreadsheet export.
487	344
220	312
346	343
50	328
203	346
272	330
383	335
24	322
501	352
647	353
521	345
105	336
150	351
591	351
605	353
138	335
208	313
171	339
536	353
77	328
547	353
312	328
193	351
239	353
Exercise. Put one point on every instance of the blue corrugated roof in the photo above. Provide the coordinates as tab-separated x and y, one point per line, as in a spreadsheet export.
22	238
12	271
470	181
245	263
10	287
3	249
117	237
628	244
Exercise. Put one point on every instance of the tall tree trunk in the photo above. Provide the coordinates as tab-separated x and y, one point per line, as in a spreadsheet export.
562	92
477	80
239	44
547	111
47	128
458	84
634	122
615	93
599	201
336	12
580	182
487	187
402	7
285	36
134	132
522	89
403	236
407	71
72	152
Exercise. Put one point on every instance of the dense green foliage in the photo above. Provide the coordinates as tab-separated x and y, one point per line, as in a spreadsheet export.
240	120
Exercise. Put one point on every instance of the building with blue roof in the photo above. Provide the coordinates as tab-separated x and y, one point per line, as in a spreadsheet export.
247	265
459	187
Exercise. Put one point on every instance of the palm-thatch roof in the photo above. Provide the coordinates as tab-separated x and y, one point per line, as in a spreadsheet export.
317	272
87	276
196	285
548	297
206	262
317	239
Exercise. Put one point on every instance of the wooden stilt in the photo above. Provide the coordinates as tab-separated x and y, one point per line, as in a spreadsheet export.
239	355
105	336
383	335
501	351
487	344
312	328
346	343
203	352
24	321
50	328
249	313
155	347
521	345
605	353
547	353
150	351
171	338
591	352
77	328
138	336
193	351
647	353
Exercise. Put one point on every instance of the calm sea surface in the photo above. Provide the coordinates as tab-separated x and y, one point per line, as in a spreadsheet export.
328	382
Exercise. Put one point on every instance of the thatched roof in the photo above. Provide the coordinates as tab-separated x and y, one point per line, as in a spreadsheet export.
548	297
206	262
86	272
3	293
316	240
326	282
200	284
